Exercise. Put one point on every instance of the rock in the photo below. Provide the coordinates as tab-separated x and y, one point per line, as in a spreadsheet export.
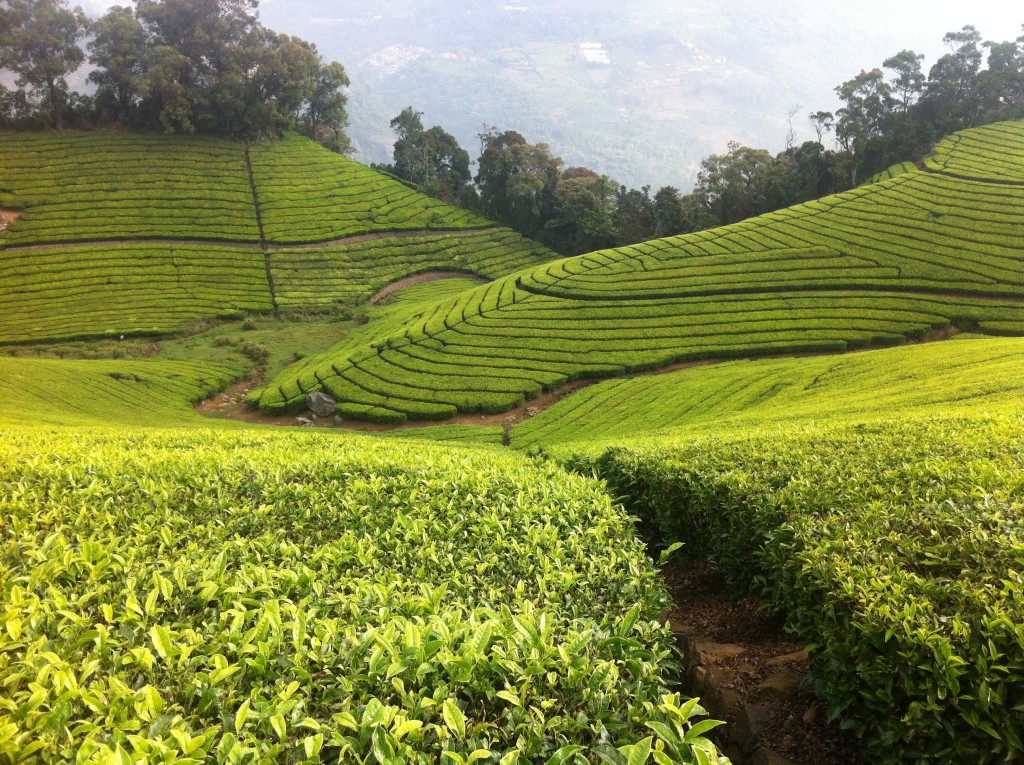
320	404
765	756
790	658
304	421
337	419
751	720
810	716
781	685
715	653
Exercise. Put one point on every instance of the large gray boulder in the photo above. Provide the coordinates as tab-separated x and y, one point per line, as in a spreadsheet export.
320	404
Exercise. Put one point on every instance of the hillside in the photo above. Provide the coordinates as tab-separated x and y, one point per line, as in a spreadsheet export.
144	234
921	251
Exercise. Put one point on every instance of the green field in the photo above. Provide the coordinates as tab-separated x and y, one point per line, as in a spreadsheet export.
149	234
922	251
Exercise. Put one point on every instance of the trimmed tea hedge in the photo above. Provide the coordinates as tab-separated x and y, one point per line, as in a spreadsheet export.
294	597
895	549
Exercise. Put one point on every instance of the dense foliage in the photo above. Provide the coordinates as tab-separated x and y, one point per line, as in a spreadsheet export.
210	597
921	251
896	550
171	65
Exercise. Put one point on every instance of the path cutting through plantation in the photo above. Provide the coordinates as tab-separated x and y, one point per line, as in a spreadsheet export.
342	242
230	404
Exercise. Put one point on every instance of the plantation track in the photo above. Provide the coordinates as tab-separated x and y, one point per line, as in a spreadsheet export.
342	242
229	404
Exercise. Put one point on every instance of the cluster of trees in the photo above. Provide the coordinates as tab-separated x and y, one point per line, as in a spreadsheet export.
188	66
890	114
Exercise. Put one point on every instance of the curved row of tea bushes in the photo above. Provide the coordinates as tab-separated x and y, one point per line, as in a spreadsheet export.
874	266
310	194
214	597
895	549
110	290
958	376
495	347
994	152
347	274
87	187
96	392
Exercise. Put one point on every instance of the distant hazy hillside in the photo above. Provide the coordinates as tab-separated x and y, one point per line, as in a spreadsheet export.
662	85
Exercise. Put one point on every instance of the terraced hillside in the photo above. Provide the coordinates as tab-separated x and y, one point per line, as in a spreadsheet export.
138	234
920	251
956	376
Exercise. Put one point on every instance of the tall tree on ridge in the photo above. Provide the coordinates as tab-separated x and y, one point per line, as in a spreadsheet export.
39	43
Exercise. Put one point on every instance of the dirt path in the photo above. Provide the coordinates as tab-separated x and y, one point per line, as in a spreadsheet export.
748	672
355	239
421	278
7	217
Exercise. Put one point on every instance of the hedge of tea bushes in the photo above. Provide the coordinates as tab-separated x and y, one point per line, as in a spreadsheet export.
297	597
894	549
96	186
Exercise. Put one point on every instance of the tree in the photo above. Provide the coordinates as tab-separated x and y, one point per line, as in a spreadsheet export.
952	99
324	117
431	158
909	79
39	43
739	184
118	50
635	215
1001	85
582	215
517	181
669	219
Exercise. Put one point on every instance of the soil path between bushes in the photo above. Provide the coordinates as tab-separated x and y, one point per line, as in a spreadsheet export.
749	673
422	278
230	404
374	236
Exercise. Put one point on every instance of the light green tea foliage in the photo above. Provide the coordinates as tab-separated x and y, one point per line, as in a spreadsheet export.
96	186
310	194
140	392
874	266
976	374
895	549
230	598
147	234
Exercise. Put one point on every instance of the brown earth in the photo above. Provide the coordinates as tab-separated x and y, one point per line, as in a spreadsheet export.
422	278
748	672
7	217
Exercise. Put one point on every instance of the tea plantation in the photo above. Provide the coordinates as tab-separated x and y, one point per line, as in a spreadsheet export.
148	234
181	589
921	251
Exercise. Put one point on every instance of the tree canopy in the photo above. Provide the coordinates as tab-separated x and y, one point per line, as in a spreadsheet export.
183	66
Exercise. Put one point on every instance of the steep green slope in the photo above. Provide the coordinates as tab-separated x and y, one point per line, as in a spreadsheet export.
129	234
897	259
145	392
90	187
295	597
963	375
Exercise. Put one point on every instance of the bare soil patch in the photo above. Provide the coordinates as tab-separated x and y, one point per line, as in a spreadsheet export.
7	217
748	672
422	278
